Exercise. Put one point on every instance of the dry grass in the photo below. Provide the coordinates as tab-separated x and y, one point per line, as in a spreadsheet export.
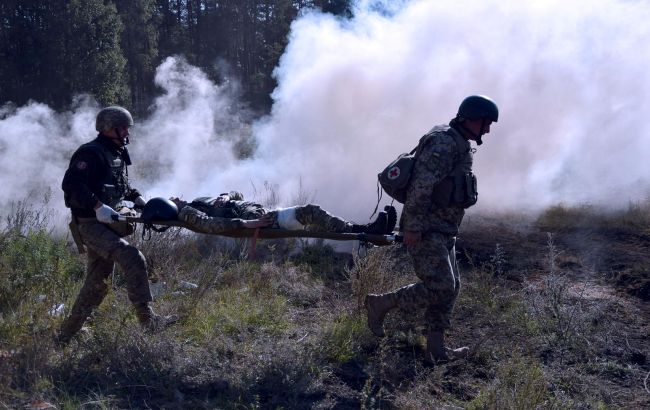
546	327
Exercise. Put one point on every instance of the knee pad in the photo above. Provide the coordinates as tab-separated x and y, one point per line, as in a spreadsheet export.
287	219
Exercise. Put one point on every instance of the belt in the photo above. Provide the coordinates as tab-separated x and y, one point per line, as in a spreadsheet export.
85	220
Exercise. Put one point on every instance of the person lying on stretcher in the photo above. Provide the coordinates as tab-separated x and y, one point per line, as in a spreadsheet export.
229	212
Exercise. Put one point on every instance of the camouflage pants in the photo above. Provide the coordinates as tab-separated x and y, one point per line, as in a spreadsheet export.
105	248
434	261
316	218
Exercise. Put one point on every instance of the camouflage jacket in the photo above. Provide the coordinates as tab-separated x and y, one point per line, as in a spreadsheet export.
229	208
209	215
439	154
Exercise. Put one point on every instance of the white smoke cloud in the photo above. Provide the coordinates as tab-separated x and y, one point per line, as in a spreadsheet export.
35	146
188	143
570	79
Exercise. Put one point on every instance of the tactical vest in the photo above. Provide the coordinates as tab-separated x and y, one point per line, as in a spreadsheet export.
112	188
459	188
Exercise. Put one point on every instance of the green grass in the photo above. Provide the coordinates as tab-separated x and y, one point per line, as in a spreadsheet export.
290	332
35	263
344	337
238	311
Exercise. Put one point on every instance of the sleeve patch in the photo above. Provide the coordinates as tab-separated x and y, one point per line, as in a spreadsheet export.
81	165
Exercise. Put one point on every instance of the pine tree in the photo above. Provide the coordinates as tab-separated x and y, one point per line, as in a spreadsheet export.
92	57
139	43
55	49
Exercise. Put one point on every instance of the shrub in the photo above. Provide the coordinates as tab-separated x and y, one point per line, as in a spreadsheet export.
520	384
344	337
35	264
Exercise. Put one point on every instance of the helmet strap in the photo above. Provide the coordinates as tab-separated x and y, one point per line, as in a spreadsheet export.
479	137
124	141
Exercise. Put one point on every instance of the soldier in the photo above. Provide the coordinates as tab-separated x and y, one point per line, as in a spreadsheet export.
442	186
94	185
229	211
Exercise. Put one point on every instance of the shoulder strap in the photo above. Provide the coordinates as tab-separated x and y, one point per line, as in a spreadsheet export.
461	143
418	147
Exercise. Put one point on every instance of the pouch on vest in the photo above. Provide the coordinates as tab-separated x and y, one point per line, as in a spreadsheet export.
111	195
456	190
469	190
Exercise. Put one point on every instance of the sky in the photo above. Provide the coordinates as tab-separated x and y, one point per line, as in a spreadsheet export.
570	78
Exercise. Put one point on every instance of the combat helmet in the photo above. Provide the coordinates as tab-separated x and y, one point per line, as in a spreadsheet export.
159	209
113	117
477	107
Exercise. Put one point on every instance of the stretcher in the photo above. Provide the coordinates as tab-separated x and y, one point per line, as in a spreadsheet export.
272	233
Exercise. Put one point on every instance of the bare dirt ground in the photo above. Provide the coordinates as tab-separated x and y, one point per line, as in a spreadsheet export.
588	285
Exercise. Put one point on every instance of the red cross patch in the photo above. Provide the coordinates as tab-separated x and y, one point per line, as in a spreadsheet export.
81	165
393	173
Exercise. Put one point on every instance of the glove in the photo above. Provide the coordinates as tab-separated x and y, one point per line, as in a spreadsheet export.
104	214
139	202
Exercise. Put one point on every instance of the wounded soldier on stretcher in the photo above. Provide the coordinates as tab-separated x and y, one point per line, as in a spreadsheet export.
229	212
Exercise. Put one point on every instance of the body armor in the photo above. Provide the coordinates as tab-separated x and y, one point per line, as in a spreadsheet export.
459	188
112	188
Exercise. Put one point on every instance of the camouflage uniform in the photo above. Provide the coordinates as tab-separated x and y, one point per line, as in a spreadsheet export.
430	212
97	172
207	215
104	248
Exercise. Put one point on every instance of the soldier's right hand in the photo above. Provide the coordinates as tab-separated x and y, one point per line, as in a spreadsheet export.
105	213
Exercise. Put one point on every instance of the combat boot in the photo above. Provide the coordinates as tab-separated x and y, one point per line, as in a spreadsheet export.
377	306
152	321
378	227
70	326
438	353
391	213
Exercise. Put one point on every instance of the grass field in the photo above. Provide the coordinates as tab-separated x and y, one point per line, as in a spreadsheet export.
554	307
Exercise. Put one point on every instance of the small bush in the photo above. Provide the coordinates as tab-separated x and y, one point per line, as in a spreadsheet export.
520	384
322	259
35	264
383	269
343	337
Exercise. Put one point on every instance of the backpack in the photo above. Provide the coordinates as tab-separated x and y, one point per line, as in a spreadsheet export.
394	179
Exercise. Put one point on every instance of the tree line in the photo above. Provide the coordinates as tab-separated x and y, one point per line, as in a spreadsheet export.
52	50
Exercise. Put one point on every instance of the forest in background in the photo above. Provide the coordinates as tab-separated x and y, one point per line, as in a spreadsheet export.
54	50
